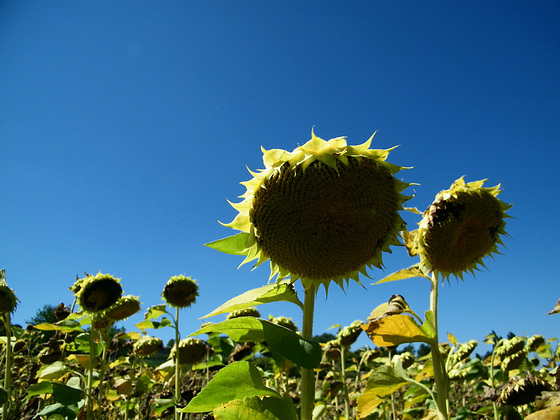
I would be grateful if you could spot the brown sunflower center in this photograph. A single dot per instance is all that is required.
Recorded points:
(321, 223)
(461, 230)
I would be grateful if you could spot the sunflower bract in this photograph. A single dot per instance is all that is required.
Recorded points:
(322, 212)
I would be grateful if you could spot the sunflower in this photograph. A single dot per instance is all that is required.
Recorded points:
(323, 212)
(463, 225)
(97, 293)
(180, 291)
(123, 308)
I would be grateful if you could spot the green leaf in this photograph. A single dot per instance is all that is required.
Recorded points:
(66, 395)
(428, 325)
(66, 325)
(53, 371)
(415, 270)
(3, 396)
(43, 387)
(156, 311)
(255, 408)
(235, 244)
(281, 292)
(144, 325)
(383, 382)
(287, 343)
(234, 382)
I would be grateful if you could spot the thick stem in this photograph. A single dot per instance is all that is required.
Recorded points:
(307, 375)
(440, 375)
(344, 384)
(177, 368)
(89, 415)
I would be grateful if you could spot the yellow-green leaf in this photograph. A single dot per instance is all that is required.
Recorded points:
(394, 330)
(406, 273)
(235, 244)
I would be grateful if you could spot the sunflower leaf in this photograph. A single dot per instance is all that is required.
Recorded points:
(287, 343)
(281, 292)
(255, 408)
(397, 329)
(235, 244)
(382, 383)
(415, 270)
(233, 382)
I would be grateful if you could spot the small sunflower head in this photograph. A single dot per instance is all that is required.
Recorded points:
(519, 391)
(463, 225)
(123, 308)
(191, 351)
(323, 212)
(180, 291)
(8, 299)
(284, 322)
(146, 346)
(253, 312)
(99, 292)
(349, 334)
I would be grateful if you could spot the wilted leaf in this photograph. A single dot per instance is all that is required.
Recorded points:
(394, 330)
(556, 308)
(235, 244)
(255, 408)
(406, 273)
(552, 413)
(281, 292)
(305, 353)
(233, 382)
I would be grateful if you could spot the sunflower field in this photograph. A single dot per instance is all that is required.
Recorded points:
(322, 214)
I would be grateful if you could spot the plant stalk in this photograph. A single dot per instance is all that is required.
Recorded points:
(89, 415)
(307, 375)
(8, 372)
(440, 375)
(177, 368)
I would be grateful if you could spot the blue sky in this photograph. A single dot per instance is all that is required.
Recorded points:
(125, 127)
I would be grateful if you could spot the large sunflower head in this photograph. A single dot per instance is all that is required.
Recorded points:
(463, 225)
(323, 212)
(99, 292)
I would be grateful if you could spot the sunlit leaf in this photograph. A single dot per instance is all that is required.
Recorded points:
(40, 388)
(156, 311)
(556, 308)
(146, 324)
(66, 325)
(394, 330)
(287, 343)
(282, 292)
(383, 382)
(234, 382)
(53, 371)
(255, 408)
(406, 273)
(452, 339)
(235, 244)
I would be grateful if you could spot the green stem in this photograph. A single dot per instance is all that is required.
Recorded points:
(440, 375)
(344, 385)
(90, 370)
(8, 371)
(177, 367)
(307, 376)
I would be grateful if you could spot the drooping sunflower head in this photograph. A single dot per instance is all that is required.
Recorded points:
(99, 292)
(8, 299)
(123, 308)
(463, 225)
(146, 346)
(180, 291)
(323, 212)
(191, 350)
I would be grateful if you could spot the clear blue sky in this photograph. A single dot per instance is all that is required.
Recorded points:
(125, 127)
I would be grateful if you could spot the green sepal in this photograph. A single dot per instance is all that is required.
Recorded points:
(235, 244)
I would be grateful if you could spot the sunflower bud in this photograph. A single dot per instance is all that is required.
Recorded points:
(180, 291)
(251, 312)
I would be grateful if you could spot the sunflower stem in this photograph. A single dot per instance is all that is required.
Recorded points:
(89, 414)
(440, 375)
(8, 372)
(307, 375)
(177, 367)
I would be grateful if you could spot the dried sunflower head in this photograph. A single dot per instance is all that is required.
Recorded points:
(8, 299)
(99, 292)
(180, 291)
(349, 334)
(323, 212)
(123, 308)
(461, 227)
(519, 391)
